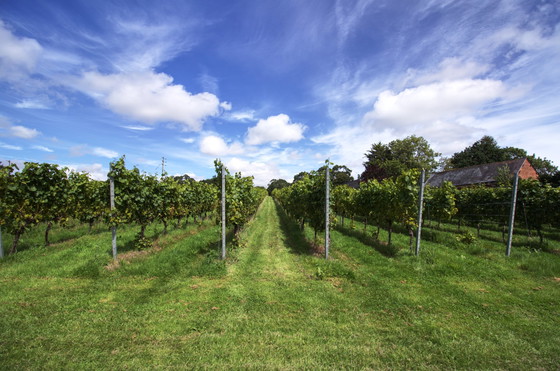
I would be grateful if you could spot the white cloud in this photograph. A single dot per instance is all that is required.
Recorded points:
(149, 162)
(18, 55)
(243, 116)
(348, 144)
(226, 106)
(9, 146)
(275, 129)
(187, 140)
(150, 97)
(428, 103)
(138, 128)
(30, 104)
(262, 172)
(96, 171)
(209, 83)
(42, 148)
(216, 146)
(449, 69)
(194, 176)
(103, 152)
(17, 130)
(142, 44)
(82, 150)
(23, 132)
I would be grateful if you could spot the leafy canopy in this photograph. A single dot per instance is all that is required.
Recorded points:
(486, 150)
(393, 159)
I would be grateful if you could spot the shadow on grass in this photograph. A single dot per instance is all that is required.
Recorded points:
(295, 238)
(381, 247)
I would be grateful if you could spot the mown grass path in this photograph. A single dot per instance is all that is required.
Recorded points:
(274, 313)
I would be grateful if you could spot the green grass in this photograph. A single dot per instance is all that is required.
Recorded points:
(274, 305)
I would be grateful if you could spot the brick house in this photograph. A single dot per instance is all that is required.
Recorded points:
(485, 174)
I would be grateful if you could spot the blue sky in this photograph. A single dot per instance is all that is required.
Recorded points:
(272, 87)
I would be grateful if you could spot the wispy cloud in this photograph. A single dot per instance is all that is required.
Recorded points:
(42, 148)
(242, 116)
(11, 147)
(18, 55)
(23, 132)
(82, 150)
(30, 104)
(187, 140)
(138, 128)
(103, 152)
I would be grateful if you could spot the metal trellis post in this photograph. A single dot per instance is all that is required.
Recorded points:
(113, 228)
(223, 212)
(327, 213)
(420, 207)
(512, 214)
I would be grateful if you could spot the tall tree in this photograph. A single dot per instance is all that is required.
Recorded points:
(276, 184)
(483, 151)
(391, 160)
(548, 173)
(339, 174)
(299, 176)
(487, 150)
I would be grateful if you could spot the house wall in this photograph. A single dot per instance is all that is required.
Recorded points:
(527, 171)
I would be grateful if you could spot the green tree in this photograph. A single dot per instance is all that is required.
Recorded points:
(548, 172)
(393, 159)
(300, 176)
(276, 184)
(483, 151)
(338, 174)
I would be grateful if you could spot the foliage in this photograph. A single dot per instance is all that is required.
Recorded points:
(305, 199)
(487, 150)
(276, 184)
(483, 151)
(37, 193)
(299, 176)
(504, 178)
(137, 197)
(242, 198)
(343, 201)
(548, 172)
(440, 201)
(89, 198)
(467, 237)
(391, 160)
(539, 205)
(338, 174)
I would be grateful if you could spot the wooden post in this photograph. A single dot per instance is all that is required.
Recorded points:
(327, 213)
(223, 212)
(420, 207)
(113, 228)
(512, 214)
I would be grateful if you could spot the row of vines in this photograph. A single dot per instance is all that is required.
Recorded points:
(48, 194)
(394, 201)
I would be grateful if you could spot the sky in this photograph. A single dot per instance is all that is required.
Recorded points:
(272, 88)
